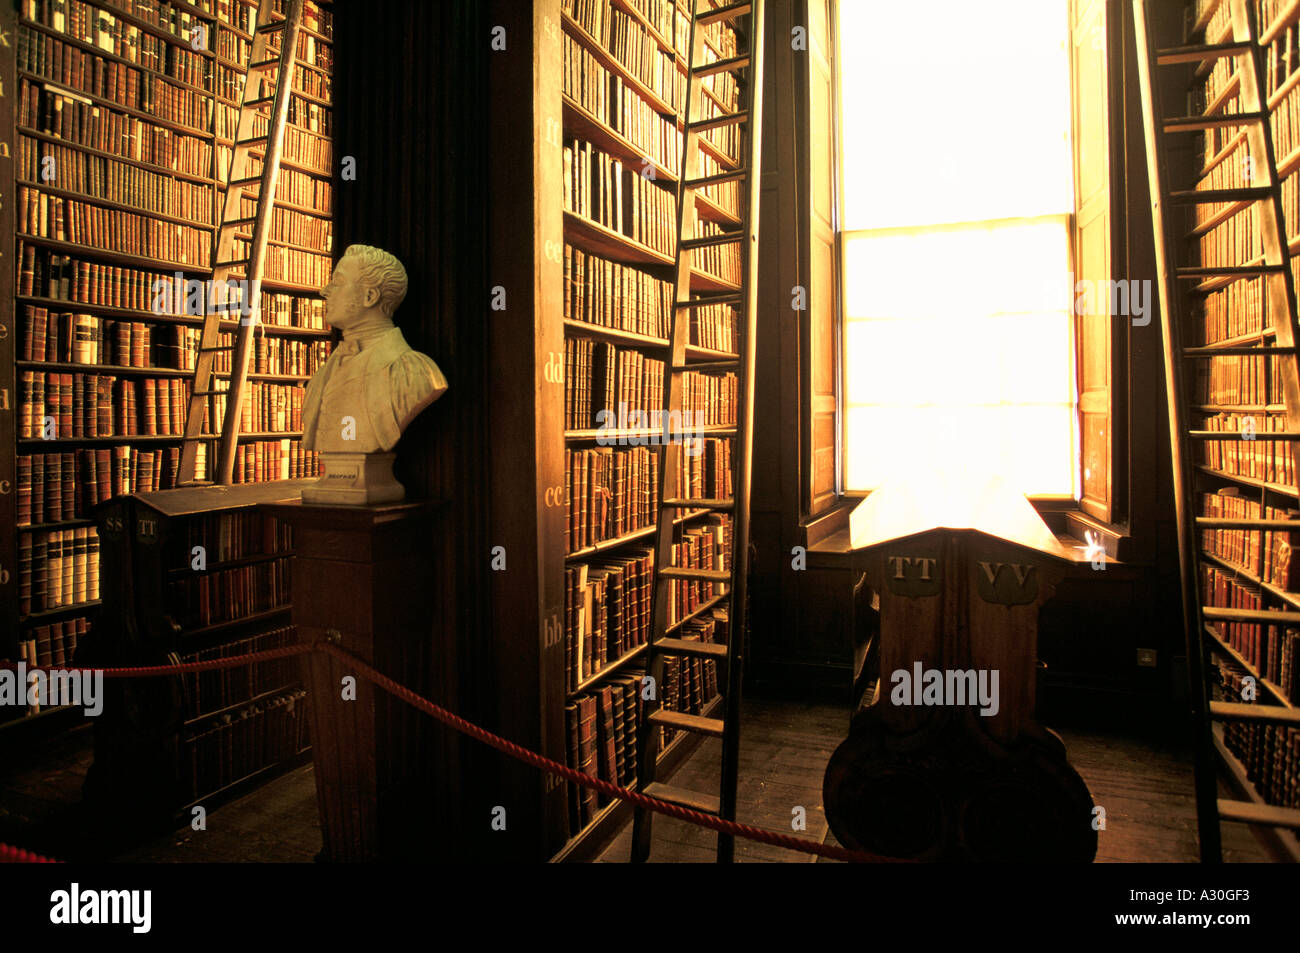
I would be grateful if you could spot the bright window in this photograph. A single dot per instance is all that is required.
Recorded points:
(956, 183)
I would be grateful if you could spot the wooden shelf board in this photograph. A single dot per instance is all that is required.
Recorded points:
(583, 125)
(1236, 776)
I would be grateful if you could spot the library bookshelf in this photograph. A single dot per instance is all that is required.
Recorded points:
(118, 119)
(1237, 391)
(615, 118)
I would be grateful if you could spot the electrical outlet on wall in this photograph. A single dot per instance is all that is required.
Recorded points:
(1147, 658)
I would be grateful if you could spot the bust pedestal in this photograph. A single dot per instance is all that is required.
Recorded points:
(355, 479)
(363, 577)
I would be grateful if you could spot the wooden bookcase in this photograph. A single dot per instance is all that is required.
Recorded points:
(611, 81)
(118, 119)
(1253, 569)
(191, 575)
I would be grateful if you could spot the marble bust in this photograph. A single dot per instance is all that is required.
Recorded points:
(372, 386)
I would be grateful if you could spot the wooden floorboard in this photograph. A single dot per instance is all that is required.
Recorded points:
(1145, 785)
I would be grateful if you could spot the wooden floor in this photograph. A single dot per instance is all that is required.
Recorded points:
(1144, 784)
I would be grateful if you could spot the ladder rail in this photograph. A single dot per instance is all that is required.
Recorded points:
(665, 574)
(1205, 781)
(1280, 284)
(250, 316)
(201, 410)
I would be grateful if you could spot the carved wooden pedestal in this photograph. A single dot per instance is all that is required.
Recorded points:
(928, 772)
(363, 576)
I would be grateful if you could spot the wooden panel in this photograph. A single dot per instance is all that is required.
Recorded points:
(1093, 248)
(9, 331)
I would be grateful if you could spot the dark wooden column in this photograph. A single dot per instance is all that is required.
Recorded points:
(363, 579)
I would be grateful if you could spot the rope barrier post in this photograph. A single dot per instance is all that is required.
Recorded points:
(363, 582)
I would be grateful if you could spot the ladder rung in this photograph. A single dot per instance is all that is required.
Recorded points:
(260, 101)
(1201, 123)
(1215, 522)
(726, 365)
(717, 122)
(263, 64)
(1201, 52)
(245, 183)
(219, 347)
(694, 723)
(729, 12)
(250, 141)
(731, 297)
(1223, 614)
(735, 175)
(238, 222)
(716, 575)
(1240, 711)
(1243, 350)
(694, 649)
(718, 505)
(708, 241)
(208, 393)
(275, 26)
(1228, 271)
(1207, 196)
(693, 800)
(1243, 435)
(722, 66)
(1248, 812)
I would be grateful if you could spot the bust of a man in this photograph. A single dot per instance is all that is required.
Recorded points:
(372, 386)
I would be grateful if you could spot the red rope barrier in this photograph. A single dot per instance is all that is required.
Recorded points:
(515, 751)
(16, 855)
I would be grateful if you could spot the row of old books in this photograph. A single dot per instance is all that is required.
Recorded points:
(608, 493)
(1282, 55)
(227, 748)
(628, 42)
(604, 383)
(75, 119)
(54, 487)
(601, 735)
(80, 338)
(307, 191)
(259, 460)
(1239, 309)
(599, 188)
(1265, 553)
(61, 406)
(705, 546)
(224, 595)
(1270, 754)
(725, 195)
(704, 471)
(236, 534)
(100, 28)
(715, 326)
(606, 97)
(606, 612)
(42, 215)
(1236, 240)
(49, 274)
(289, 225)
(216, 689)
(1238, 379)
(57, 568)
(611, 294)
(55, 643)
(1258, 458)
(721, 260)
(690, 684)
(266, 408)
(80, 71)
(99, 177)
(290, 265)
(1271, 650)
(313, 150)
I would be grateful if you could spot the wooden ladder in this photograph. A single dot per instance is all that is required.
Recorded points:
(236, 283)
(749, 69)
(1179, 280)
